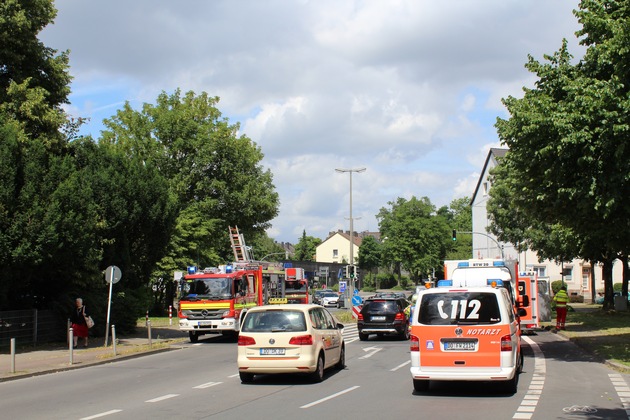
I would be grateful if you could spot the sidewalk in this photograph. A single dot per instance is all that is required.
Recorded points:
(57, 358)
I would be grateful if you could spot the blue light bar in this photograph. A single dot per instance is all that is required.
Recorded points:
(499, 282)
(498, 263)
(229, 268)
(463, 264)
(445, 283)
(192, 269)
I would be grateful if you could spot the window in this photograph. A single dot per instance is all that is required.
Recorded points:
(485, 188)
(567, 272)
(586, 276)
(335, 253)
(540, 270)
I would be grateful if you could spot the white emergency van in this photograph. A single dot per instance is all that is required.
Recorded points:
(461, 333)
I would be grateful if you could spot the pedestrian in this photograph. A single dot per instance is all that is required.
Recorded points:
(562, 299)
(79, 323)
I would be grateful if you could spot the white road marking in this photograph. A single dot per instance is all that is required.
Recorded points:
(623, 390)
(330, 397)
(162, 398)
(207, 385)
(374, 351)
(400, 366)
(106, 413)
(530, 401)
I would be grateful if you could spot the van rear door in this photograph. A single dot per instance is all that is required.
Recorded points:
(460, 329)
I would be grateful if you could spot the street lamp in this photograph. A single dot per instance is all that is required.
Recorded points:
(358, 170)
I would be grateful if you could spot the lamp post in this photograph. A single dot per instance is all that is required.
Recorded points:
(358, 170)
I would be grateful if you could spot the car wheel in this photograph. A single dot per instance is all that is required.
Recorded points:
(511, 386)
(318, 375)
(363, 337)
(341, 364)
(420, 385)
(246, 378)
(194, 336)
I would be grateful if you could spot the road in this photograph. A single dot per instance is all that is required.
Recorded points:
(200, 381)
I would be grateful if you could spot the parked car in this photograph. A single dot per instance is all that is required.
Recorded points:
(294, 338)
(317, 296)
(330, 299)
(383, 316)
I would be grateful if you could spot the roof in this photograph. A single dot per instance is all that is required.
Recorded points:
(498, 153)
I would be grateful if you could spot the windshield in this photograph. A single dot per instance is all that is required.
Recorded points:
(209, 288)
(295, 286)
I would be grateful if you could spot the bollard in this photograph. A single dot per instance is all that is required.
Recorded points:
(149, 331)
(71, 344)
(114, 338)
(146, 321)
(13, 355)
(170, 315)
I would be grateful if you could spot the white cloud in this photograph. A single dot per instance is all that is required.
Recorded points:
(410, 90)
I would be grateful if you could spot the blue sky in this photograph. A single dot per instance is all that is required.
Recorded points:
(408, 89)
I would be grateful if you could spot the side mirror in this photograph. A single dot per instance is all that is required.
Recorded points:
(521, 312)
(525, 301)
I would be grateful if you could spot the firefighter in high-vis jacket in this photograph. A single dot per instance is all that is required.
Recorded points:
(562, 299)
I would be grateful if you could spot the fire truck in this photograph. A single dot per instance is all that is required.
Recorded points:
(283, 285)
(213, 300)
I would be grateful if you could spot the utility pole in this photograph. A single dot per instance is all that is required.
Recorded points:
(350, 171)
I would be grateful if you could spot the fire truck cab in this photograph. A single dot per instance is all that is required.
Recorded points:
(465, 333)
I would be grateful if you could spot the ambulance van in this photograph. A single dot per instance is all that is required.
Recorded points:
(465, 334)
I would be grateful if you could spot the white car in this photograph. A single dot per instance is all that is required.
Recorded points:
(293, 338)
(329, 299)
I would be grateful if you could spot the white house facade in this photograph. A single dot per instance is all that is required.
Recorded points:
(577, 273)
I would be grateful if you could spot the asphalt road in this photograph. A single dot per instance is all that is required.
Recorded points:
(200, 381)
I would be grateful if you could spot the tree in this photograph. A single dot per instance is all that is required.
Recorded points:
(566, 169)
(306, 248)
(458, 216)
(34, 81)
(370, 255)
(417, 238)
(215, 176)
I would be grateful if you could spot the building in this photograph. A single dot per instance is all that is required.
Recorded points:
(577, 273)
(336, 247)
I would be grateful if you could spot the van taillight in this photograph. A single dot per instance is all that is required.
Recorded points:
(506, 343)
(414, 343)
(400, 316)
(243, 340)
(302, 340)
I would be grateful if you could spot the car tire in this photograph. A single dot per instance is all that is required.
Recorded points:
(193, 336)
(420, 385)
(363, 337)
(341, 364)
(318, 375)
(511, 386)
(246, 378)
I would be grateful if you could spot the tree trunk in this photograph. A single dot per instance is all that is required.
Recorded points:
(607, 276)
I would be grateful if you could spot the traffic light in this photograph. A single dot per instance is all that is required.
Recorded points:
(353, 271)
(346, 272)
(454, 235)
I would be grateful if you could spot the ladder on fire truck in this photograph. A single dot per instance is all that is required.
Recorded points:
(241, 251)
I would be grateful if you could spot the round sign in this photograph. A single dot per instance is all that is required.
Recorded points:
(357, 300)
(113, 274)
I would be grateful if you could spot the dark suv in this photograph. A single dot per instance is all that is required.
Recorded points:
(383, 316)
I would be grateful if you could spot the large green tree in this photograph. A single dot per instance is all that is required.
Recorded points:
(566, 172)
(370, 254)
(306, 248)
(417, 238)
(214, 174)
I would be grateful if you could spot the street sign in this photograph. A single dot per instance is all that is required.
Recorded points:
(357, 300)
(342, 286)
(113, 274)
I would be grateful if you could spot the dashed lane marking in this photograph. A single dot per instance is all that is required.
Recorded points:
(623, 391)
(530, 400)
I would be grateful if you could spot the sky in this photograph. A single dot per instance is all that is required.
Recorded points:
(410, 90)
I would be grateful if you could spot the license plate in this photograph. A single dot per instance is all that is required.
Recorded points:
(272, 352)
(277, 301)
(204, 323)
(459, 345)
(378, 318)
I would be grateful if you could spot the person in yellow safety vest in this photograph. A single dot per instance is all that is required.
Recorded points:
(562, 299)
(409, 309)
